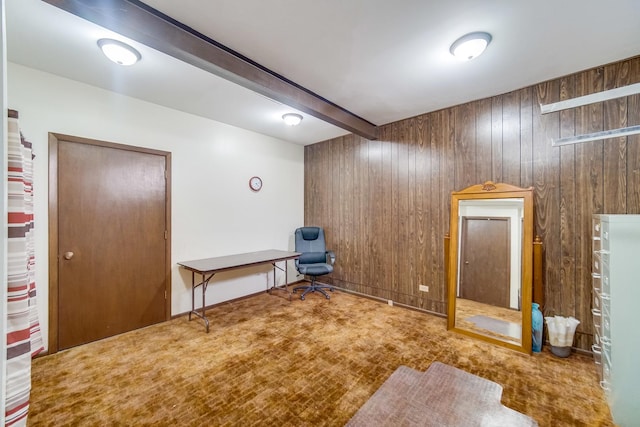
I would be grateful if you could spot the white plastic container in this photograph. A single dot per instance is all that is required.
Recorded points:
(561, 331)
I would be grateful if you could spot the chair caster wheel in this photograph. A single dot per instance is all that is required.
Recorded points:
(302, 298)
(328, 297)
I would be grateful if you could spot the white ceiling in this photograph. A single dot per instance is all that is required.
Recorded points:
(382, 60)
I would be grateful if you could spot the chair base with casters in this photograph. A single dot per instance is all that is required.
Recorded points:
(313, 287)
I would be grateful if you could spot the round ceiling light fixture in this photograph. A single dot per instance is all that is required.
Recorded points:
(292, 119)
(119, 52)
(470, 45)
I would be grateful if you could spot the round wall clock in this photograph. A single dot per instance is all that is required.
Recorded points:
(255, 183)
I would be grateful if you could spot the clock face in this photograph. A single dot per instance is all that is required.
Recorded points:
(255, 183)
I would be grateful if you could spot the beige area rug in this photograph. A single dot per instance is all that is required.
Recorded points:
(271, 362)
(443, 396)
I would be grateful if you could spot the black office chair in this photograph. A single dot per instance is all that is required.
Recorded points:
(313, 259)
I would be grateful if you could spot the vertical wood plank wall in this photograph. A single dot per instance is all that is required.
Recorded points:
(385, 204)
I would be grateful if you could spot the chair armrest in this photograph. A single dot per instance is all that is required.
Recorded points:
(332, 257)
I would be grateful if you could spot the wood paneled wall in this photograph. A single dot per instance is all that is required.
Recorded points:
(385, 204)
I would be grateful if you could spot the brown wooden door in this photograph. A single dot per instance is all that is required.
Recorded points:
(485, 263)
(112, 240)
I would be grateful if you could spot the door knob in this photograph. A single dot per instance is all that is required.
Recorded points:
(68, 255)
(466, 262)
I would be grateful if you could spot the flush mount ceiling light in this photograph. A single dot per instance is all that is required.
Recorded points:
(118, 52)
(292, 119)
(470, 46)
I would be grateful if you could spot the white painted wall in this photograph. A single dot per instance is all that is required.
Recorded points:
(213, 210)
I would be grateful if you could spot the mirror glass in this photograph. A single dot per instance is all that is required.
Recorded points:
(490, 264)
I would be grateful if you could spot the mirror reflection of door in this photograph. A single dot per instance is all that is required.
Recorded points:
(485, 260)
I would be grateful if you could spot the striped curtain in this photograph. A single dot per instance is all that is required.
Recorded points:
(24, 339)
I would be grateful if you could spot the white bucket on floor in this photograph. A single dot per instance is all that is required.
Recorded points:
(561, 331)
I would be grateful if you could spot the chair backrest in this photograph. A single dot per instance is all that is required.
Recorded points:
(310, 243)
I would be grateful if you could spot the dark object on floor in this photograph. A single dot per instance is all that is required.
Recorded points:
(442, 396)
(560, 351)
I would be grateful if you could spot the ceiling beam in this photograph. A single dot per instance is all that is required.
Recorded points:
(139, 22)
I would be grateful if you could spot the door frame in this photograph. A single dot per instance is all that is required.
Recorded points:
(53, 224)
(464, 223)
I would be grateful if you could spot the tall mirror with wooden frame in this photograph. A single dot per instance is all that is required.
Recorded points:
(490, 264)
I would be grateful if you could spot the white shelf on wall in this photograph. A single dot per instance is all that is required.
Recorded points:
(593, 98)
(595, 136)
(605, 95)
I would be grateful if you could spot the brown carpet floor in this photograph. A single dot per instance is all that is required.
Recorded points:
(268, 361)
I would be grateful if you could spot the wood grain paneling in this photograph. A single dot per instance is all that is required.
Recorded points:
(465, 145)
(564, 292)
(496, 139)
(589, 190)
(422, 190)
(526, 137)
(546, 174)
(483, 141)
(511, 161)
(615, 149)
(385, 203)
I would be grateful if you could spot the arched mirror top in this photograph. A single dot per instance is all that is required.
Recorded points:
(490, 264)
(490, 190)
